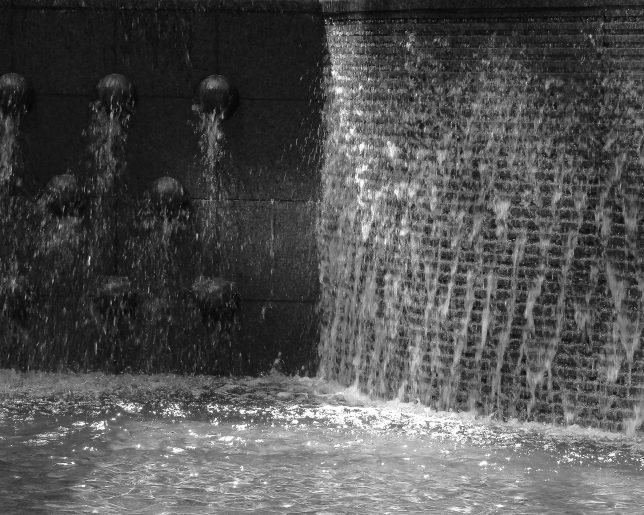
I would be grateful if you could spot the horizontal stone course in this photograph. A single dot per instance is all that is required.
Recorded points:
(380, 6)
(67, 56)
(6, 43)
(55, 123)
(166, 53)
(279, 6)
(266, 66)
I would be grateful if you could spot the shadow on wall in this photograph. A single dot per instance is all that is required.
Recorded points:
(270, 150)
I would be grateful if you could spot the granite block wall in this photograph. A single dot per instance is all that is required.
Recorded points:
(274, 53)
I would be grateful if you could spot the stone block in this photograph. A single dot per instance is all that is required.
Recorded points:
(63, 51)
(274, 149)
(6, 43)
(296, 260)
(53, 132)
(280, 335)
(64, 4)
(234, 241)
(161, 142)
(165, 52)
(268, 250)
(246, 250)
(153, 254)
(271, 55)
(274, 6)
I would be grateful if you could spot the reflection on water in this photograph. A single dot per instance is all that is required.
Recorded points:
(153, 444)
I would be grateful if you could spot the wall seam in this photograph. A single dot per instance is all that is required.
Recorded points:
(12, 43)
(217, 43)
(115, 23)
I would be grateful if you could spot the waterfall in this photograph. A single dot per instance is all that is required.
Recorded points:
(479, 225)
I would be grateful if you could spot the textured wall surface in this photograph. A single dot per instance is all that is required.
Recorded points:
(481, 231)
(273, 52)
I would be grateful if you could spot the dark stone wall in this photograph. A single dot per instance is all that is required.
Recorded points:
(273, 52)
(481, 228)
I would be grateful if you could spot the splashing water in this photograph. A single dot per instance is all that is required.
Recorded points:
(216, 215)
(510, 281)
(276, 444)
(9, 129)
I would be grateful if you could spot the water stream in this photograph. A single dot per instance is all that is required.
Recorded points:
(94, 277)
(480, 227)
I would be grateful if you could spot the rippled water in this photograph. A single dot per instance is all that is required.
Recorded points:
(164, 444)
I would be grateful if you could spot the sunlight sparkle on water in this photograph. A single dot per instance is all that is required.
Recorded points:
(194, 444)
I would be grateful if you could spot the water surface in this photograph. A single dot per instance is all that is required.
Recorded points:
(169, 444)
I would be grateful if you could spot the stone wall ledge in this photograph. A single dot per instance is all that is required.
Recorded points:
(393, 6)
(269, 6)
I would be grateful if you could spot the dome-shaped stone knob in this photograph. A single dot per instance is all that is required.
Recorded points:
(114, 297)
(216, 94)
(63, 196)
(116, 94)
(16, 95)
(167, 198)
(15, 298)
(216, 298)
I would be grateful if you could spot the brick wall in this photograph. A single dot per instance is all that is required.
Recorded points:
(273, 52)
(481, 216)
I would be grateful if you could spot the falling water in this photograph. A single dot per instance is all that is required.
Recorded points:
(16, 227)
(95, 278)
(214, 180)
(217, 219)
(480, 243)
(9, 126)
(9, 151)
(76, 248)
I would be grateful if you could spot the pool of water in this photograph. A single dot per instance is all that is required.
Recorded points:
(166, 444)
